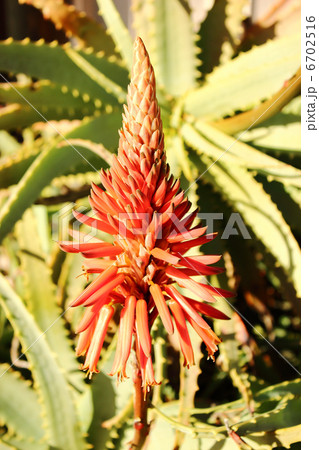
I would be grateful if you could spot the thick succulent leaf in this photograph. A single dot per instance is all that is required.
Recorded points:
(88, 32)
(177, 156)
(246, 80)
(294, 193)
(279, 134)
(236, 13)
(51, 163)
(117, 30)
(13, 167)
(198, 11)
(266, 110)
(221, 32)
(13, 442)
(20, 410)
(106, 83)
(41, 297)
(53, 388)
(44, 61)
(266, 440)
(8, 144)
(17, 116)
(166, 28)
(285, 414)
(246, 196)
(213, 34)
(216, 144)
(44, 95)
(285, 201)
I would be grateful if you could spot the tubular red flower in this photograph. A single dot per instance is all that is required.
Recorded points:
(125, 335)
(96, 342)
(142, 326)
(162, 307)
(183, 335)
(148, 215)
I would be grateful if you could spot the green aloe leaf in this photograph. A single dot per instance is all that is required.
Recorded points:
(8, 144)
(216, 144)
(17, 116)
(281, 133)
(117, 30)
(44, 61)
(246, 80)
(177, 157)
(247, 197)
(20, 409)
(40, 295)
(13, 167)
(51, 163)
(285, 414)
(43, 94)
(166, 28)
(53, 388)
(220, 33)
(247, 120)
(282, 436)
(13, 442)
(106, 83)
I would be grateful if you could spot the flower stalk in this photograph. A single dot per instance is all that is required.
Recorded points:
(141, 400)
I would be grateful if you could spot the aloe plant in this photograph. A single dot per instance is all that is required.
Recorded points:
(230, 106)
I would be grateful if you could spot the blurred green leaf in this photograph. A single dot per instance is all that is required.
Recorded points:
(55, 394)
(165, 27)
(246, 80)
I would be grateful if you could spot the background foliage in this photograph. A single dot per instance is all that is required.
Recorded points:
(229, 94)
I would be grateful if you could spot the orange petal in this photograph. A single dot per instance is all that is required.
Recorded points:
(204, 259)
(184, 246)
(173, 292)
(88, 316)
(201, 269)
(116, 366)
(208, 310)
(142, 329)
(164, 256)
(186, 235)
(183, 335)
(185, 281)
(162, 308)
(85, 339)
(76, 247)
(98, 337)
(95, 223)
(108, 274)
(209, 337)
(105, 290)
(128, 324)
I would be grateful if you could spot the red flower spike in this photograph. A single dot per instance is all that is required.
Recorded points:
(144, 209)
